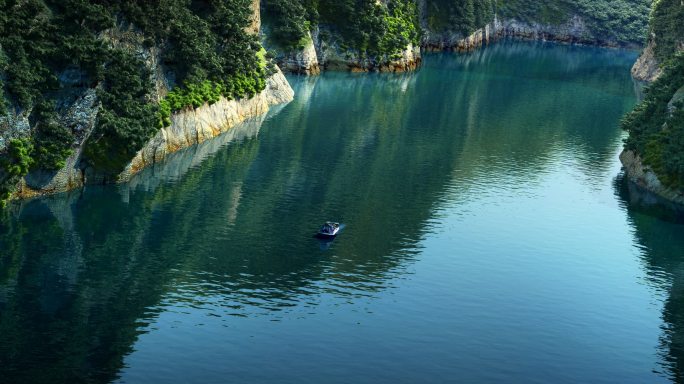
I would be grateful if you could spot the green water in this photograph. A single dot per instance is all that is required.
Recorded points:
(487, 239)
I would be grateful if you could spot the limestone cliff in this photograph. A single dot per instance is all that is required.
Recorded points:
(647, 67)
(655, 133)
(666, 38)
(78, 106)
(319, 53)
(301, 61)
(644, 177)
(331, 55)
(188, 128)
(573, 31)
(208, 121)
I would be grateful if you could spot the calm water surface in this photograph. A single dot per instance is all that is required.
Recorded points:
(487, 240)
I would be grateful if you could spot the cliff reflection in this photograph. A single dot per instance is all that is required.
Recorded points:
(659, 230)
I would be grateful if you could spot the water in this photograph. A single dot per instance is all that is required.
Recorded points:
(487, 240)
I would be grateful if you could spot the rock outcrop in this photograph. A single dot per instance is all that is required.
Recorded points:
(301, 61)
(206, 122)
(188, 128)
(328, 54)
(647, 67)
(80, 118)
(643, 176)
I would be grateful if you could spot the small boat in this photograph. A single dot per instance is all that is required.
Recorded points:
(329, 230)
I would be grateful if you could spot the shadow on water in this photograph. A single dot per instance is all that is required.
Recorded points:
(659, 231)
(83, 274)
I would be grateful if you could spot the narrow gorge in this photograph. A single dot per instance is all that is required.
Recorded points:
(341, 191)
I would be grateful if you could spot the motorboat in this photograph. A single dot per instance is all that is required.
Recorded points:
(329, 230)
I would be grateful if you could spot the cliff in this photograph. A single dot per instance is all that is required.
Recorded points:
(645, 177)
(321, 54)
(652, 158)
(310, 36)
(188, 128)
(307, 37)
(647, 67)
(88, 117)
(572, 31)
(666, 38)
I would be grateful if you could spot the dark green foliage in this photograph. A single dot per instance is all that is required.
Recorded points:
(52, 141)
(370, 28)
(464, 16)
(289, 23)
(667, 24)
(365, 26)
(14, 165)
(621, 21)
(127, 118)
(655, 132)
(3, 68)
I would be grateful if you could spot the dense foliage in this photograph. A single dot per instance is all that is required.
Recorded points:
(52, 140)
(371, 28)
(13, 166)
(290, 21)
(203, 42)
(463, 16)
(656, 126)
(667, 25)
(622, 21)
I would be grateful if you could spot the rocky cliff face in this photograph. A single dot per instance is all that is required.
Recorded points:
(188, 128)
(301, 61)
(647, 67)
(644, 177)
(574, 31)
(327, 54)
(78, 110)
(206, 122)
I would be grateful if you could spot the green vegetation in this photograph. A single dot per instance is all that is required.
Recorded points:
(290, 21)
(195, 95)
(127, 119)
(463, 16)
(52, 140)
(204, 43)
(656, 127)
(622, 21)
(667, 24)
(14, 166)
(365, 26)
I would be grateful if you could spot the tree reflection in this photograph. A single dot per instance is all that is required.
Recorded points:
(659, 230)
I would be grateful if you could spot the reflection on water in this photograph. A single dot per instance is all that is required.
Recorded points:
(659, 232)
(462, 187)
